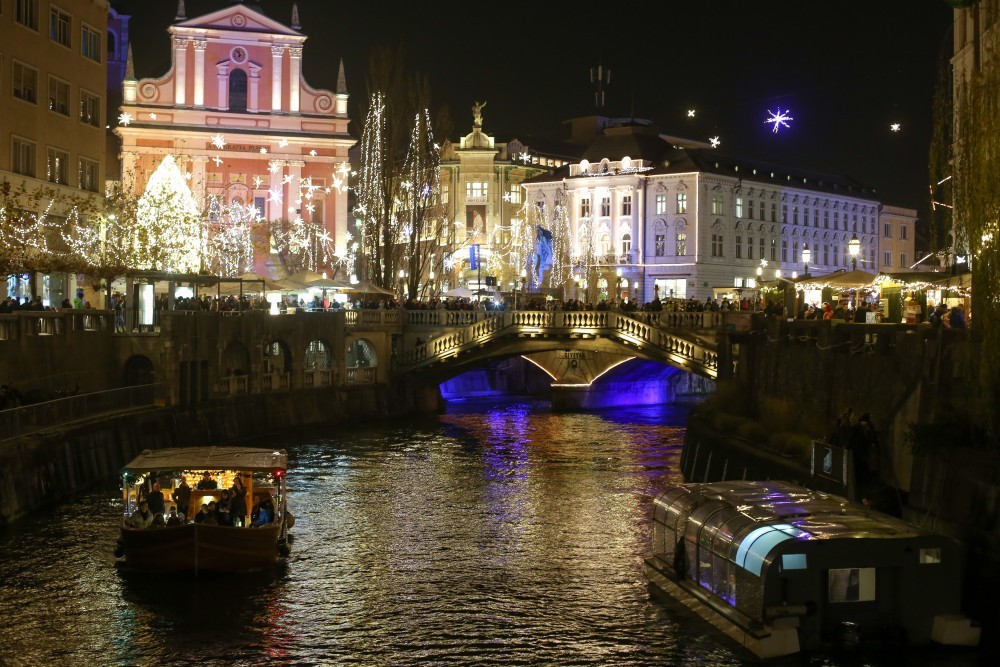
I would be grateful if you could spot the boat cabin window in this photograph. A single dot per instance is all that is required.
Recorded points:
(793, 562)
(855, 584)
(930, 556)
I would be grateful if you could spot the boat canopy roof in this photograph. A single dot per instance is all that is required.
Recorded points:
(209, 458)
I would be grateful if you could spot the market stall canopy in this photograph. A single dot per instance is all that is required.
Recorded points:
(368, 288)
(248, 283)
(459, 293)
(306, 279)
(839, 280)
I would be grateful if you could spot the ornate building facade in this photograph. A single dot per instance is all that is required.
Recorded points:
(642, 216)
(254, 140)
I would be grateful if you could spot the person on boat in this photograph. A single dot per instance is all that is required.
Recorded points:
(174, 519)
(206, 482)
(182, 496)
(202, 513)
(238, 502)
(155, 498)
(158, 521)
(255, 510)
(142, 517)
(210, 516)
(264, 517)
(222, 510)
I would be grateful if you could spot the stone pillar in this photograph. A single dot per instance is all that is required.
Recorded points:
(199, 72)
(129, 161)
(294, 77)
(253, 104)
(180, 70)
(222, 71)
(276, 53)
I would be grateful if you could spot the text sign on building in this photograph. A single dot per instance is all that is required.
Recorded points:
(571, 354)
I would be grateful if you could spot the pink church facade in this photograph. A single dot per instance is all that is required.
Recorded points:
(245, 127)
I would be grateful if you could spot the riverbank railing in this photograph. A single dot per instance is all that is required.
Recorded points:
(28, 419)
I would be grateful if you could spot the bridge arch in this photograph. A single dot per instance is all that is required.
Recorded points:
(138, 370)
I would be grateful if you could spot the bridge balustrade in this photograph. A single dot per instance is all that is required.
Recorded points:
(275, 381)
(319, 377)
(234, 385)
(360, 375)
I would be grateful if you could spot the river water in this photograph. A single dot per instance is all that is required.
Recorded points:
(492, 534)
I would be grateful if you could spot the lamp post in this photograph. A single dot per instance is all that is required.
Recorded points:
(618, 284)
(402, 284)
(806, 257)
(760, 277)
(854, 247)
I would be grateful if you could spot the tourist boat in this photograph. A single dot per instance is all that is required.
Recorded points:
(782, 569)
(204, 547)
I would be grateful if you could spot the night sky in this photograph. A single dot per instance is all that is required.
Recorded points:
(844, 70)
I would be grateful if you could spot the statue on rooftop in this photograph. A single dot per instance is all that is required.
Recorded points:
(477, 114)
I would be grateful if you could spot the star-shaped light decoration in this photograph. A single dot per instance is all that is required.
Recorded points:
(275, 167)
(313, 152)
(525, 158)
(691, 113)
(263, 151)
(124, 118)
(715, 141)
(257, 182)
(152, 116)
(217, 160)
(219, 141)
(275, 196)
(286, 179)
(778, 119)
(895, 127)
(283, 143)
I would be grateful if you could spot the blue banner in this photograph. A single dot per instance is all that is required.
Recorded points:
(474, 256)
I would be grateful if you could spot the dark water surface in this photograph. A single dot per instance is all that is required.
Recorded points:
(494, 534)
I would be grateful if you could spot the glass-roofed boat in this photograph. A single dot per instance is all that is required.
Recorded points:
(781, 568)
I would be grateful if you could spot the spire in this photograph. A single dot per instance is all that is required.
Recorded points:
(181, 12)
(295, 17)
(600, 76)
(341, 79)
(129, 67)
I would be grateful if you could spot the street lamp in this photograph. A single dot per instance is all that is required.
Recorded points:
(854, 247)
(806, 257)
(524, 288)
(618, 283)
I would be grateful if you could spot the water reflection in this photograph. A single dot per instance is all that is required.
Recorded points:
(497, 532)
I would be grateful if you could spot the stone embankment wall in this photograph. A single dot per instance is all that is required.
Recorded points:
(38, 470)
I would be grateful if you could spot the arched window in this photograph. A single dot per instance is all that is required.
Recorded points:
(626, 244)
(237, 90)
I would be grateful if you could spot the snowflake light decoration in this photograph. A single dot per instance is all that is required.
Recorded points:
(219, 141)
(691, 113)
(124, 118)
(217, 160)
(283, 143)
(895, 127)
(715, 141)
(263, 151)
(313, 152)
(152, 116)
(778, 119)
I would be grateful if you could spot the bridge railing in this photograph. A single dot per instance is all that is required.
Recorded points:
(588, 322)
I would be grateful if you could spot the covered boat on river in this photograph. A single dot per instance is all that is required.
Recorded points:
(253, 543)
(782, 568)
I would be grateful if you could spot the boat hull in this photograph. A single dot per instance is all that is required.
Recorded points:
(195, 547)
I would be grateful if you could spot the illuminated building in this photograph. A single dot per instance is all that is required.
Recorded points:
(248, 132)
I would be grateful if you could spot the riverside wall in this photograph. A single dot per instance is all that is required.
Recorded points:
(41, 469)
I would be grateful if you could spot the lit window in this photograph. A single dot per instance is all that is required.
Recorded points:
(717, 205)
(57, 166)
(476, 190)
(515, 194)
(58, 96)
(682, 202)
(584, 208)
(90, 109)
(90, 44)
(661, 204)
(661, 244)
(89, 171)
(681, 244)
(739, 207)
(626, 244)
(852, 585)
(605, 206)
(59, 22)
(627, 205)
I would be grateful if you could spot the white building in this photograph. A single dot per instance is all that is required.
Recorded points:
(659, 218)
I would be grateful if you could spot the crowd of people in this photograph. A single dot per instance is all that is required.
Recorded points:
(229, 510)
